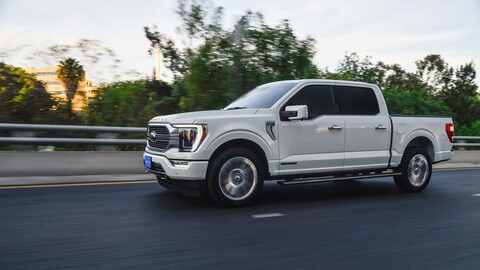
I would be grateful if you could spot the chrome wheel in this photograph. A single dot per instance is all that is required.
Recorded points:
(238, 178)
(418, 170)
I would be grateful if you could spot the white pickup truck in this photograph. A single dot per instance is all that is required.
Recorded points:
(294, 132)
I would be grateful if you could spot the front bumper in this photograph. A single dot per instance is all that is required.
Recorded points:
(161, 165)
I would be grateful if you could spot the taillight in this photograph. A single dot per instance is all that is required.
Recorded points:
(449, 128)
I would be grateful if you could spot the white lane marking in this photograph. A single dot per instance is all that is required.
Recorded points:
(269, 215)
(477, 195)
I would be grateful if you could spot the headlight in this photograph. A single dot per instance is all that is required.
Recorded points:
(190, 136)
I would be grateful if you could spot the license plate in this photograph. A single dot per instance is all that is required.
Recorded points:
(148, 161)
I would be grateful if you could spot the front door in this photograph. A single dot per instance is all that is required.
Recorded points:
(315, 144)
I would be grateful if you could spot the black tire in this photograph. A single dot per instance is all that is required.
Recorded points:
(235, 177)
(416, 169)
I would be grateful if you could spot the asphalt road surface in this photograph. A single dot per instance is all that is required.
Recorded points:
(364, 224)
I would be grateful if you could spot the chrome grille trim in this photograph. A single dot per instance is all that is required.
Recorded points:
(162, 138)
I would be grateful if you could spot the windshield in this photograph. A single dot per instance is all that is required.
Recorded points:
(263, 96)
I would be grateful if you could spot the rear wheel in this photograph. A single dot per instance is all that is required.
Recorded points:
(235, 178)
(416, 169)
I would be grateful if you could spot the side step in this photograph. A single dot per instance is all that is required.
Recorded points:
(332, 178)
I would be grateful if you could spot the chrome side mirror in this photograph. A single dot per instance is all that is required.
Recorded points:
(297, 112)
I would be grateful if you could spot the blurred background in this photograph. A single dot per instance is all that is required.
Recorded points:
(88, 76)
(120, 63)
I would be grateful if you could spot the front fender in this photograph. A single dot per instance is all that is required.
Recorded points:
(240, 135)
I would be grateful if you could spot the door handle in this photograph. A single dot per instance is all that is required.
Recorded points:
(334, 127)
(381, 127)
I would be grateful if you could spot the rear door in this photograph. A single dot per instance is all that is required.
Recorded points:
(315, 144)
(367, 133)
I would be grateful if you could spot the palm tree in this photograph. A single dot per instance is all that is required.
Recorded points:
(70, 73)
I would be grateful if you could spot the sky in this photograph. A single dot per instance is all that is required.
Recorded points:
(392, 31)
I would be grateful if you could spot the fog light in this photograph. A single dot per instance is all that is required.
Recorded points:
(179, 162)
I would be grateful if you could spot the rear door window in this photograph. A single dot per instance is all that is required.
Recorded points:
(356, 100)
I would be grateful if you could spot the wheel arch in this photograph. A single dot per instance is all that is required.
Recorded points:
(422, 138)
(421, 142)
(242, 143)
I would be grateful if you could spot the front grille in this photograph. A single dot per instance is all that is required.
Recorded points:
(162, 137)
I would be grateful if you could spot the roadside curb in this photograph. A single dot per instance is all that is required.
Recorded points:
(73, 179)
(456, 166)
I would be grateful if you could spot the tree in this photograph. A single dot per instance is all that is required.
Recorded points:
(174, 58)
(206, 83)
(218, 65)
(215, 65)
(414, 103)
(22, 97)
(230, 63)
(351, 67)
(130, 103)
(473, 130)
(434, 72)
(192, 13)
(404, 92)
(397, 79)
(70, 73)
(462, 96)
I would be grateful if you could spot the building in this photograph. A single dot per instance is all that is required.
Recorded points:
(54, 86)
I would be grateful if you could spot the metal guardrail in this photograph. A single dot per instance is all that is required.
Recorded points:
(37, 127)
(70, 128)
(460, 140)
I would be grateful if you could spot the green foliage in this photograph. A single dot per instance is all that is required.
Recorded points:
(192, 14)
(461, 95)
(413, 103)
(351, 67)
(264, 53)
(227, 63)
(434, 89)
(388, 77)
(455, 87)
(397, 79)
(207, 80)
(473, 130)
(435, 72)
(130, 103)
(22, 97)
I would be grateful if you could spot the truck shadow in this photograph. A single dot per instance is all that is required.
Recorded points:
(276, 195)
(328, 191)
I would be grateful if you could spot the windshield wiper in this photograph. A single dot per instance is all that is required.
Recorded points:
(235, 108)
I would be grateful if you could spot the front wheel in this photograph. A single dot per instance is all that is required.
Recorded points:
(416, 169)
(235, 178)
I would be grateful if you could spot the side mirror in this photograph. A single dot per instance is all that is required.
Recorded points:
(297, 112)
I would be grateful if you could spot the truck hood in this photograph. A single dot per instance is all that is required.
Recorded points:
(202, 116)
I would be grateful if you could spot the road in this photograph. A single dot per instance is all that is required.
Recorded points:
(364, 224)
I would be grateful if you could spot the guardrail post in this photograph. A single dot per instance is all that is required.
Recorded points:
(106, 136)
(23, 147)
(461, 147)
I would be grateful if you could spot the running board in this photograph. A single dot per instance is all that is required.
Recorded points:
(332, 178)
